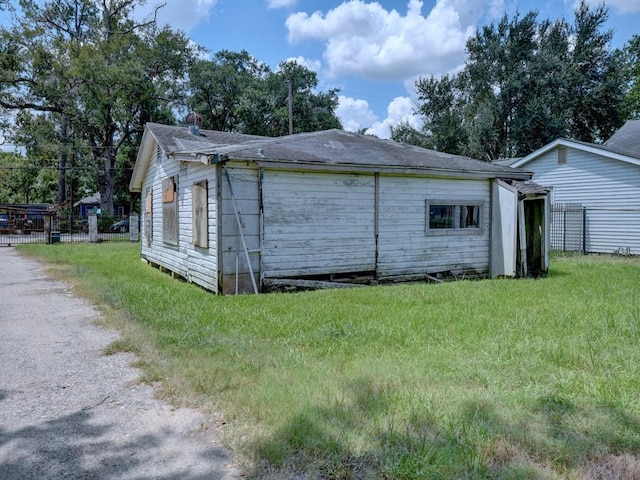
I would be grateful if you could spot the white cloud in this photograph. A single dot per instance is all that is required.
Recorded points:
(620, 6)
(280, 3)
(180, 14)
(400, 109)
(354, 114)
(365, 39)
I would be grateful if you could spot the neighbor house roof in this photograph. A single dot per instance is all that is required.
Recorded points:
(626, 140)
(336, 149)
(93, 200)
(603, 150)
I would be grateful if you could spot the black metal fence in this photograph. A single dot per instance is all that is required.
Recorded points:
(19, 225)
(568, 227)
(608, 230)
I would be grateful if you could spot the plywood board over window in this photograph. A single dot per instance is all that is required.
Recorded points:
(199, 192)
(169, 211)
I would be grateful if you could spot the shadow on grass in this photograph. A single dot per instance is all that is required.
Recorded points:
(556, 437)
(76, 447)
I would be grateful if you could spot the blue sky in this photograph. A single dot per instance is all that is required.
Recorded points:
(372, 51)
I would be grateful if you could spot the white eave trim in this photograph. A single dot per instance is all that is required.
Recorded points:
(595, 149)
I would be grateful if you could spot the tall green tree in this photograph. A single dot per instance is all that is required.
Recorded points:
(632, 72)
(218, 87)
(236, 92)
(525, 83)
(441, 105)
(98, 72)
(596, 88)
(18, 179)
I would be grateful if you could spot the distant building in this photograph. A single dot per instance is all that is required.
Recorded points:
(92, 203)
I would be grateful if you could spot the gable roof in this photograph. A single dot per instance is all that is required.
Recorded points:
(626, 140)
(603, 150)
(336, 149)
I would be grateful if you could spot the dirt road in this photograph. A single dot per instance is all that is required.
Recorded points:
(69, 412)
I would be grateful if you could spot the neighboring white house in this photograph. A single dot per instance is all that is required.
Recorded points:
(238, 213)
(600, 182)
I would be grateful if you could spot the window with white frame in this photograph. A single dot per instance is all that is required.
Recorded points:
(443, 216)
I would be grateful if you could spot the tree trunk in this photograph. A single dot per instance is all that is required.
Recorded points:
(107, 181)
(62, 161)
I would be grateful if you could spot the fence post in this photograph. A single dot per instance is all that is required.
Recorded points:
(134, 227)
(93, 227)
(584, 230)
(48, 227)
(564, 229)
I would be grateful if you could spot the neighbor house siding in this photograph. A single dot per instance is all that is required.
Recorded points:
(407, 249)
(608, 188)
(318, 223)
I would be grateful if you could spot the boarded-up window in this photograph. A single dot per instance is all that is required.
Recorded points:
(200, 195)
(148, 216)
(169, 211)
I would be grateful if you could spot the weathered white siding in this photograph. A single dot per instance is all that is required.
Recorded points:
(241, 178)
(317, 223)
(504, 224)
(198, 265)
(325, 223)
(202, 263)
(406, 249)
(609, 188)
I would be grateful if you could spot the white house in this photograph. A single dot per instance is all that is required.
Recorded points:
(239, 213)
(601, 182)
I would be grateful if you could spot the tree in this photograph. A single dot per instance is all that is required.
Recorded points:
(631, 61)
(596, 88)
(219, 86)
(525, 83)
(236, 92)
(404, 132)
(95, 71)
(17, 178)
(441, 109)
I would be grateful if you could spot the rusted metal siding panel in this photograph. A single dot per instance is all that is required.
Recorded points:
(318, 223)
(405, 249)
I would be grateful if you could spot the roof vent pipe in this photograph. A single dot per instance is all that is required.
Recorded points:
(194, 122)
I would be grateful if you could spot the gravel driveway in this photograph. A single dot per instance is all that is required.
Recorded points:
(69, 412)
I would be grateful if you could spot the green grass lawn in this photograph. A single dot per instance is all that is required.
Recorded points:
(495, 379)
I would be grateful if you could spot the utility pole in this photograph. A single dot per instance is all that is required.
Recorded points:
(290, 101)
